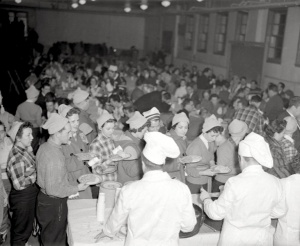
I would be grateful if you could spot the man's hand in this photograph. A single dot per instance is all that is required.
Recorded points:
(204, 195)
(101, 236)
(82, 187)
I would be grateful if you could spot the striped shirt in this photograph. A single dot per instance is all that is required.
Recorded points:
(21, 168)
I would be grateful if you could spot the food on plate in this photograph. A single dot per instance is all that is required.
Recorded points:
(89, 179)
(120, 156)
(220, 169)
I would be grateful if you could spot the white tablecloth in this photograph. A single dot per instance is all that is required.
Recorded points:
(83, 227)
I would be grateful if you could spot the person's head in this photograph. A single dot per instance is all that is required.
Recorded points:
(180, 124)
(140, 131)
(207, 72)
(73, 117)
(32, 93)
(253, 84)
(92, 81)
(182, 83)
(2, 131)
(129, 110)
(206, 95)
(106, 124)
(166, 97)
(153, 117)
(188, 105)
(255, 101)
(45, 88)
(272, 90)
(294, 106)
(52, 82)
(214, 98)
(237, 130)
(50, 102)
(24, 135)
(112, 71)
(158, 147)
(281, 86)
(276, 129)
(291, 125)
(139, 83)
(189, 89)
(211, 128)
(243, 81)
(246, 91)
(81, 99)
(254, 150)
(115, 100)
(213, 133)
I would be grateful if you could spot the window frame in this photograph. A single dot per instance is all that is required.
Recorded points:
(189, 30)
(297, 61)
(240, 25)
(274, 38)
(219, 26)
(203, 30)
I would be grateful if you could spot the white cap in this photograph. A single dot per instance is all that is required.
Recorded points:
(181, 117)
(237, 128)
(105, 116)
(136, 121)
(79, 96)
(210, 123)
(64, 109)
(55, 123)
(32, 92)
(152, 114)
(14, 129)
(255, 146)
(159, 147)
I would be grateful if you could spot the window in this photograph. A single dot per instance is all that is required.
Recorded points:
(276, 27)
(298, 53)
(242, 20)
(189, 32)
(220, 35)
(21, 17)
(203, 33)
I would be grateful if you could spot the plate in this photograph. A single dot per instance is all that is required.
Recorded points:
(203, 167)
(119, 157)
(191, 159)
(109, 169)
(85, 156)
(220, 169)
(90, 179)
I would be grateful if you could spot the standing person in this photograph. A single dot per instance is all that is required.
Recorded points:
(153, 198)
(180, 125)
(28, 111)
(227, 153)
(250, 199)
(21, 169)
(102, 146)
(132, 143)
(205, 146)
(288, 227)
(45, 88)
(294, 111)
(274, 106)
(52, 178)
(81, 100)
(78, 143)
(203, 81)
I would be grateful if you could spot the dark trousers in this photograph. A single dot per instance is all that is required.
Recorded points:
(22, 205)
(215, 185)
(35, 144)
(52, 216)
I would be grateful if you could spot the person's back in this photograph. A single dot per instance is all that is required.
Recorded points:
(160, 226)
(253, 196)
(288, 227)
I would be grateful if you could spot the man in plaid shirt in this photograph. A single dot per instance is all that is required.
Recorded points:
(252, 116)
(287, 142)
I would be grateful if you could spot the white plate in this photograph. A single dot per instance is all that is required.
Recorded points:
(109, 169)
(220, 169)
(120, 158)
(84, 156)
(90, 179)
(190, 159)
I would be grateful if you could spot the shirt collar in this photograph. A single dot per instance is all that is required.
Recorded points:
(29, 100)
(287, 137)
(156, 175)
(204, 140)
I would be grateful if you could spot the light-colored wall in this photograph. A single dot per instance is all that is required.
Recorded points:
(287, 71)
(119, 31)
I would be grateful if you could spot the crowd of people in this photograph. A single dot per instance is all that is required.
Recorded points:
(85, 104)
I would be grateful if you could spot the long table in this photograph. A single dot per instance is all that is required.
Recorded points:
(83, 227)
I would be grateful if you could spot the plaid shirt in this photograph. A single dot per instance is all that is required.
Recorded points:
(288, 148)
(102, 148)
(21, 168)
(252, 117)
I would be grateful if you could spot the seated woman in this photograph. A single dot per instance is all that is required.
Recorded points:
(180, 125)
(205, 146)
(274, 133)
(103, 145)
(227, 153)
(78, 143)
(132, 143)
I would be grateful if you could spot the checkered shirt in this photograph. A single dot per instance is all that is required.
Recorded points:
(289, 149)
(102, 148)
(21, 168)
(252, 117)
